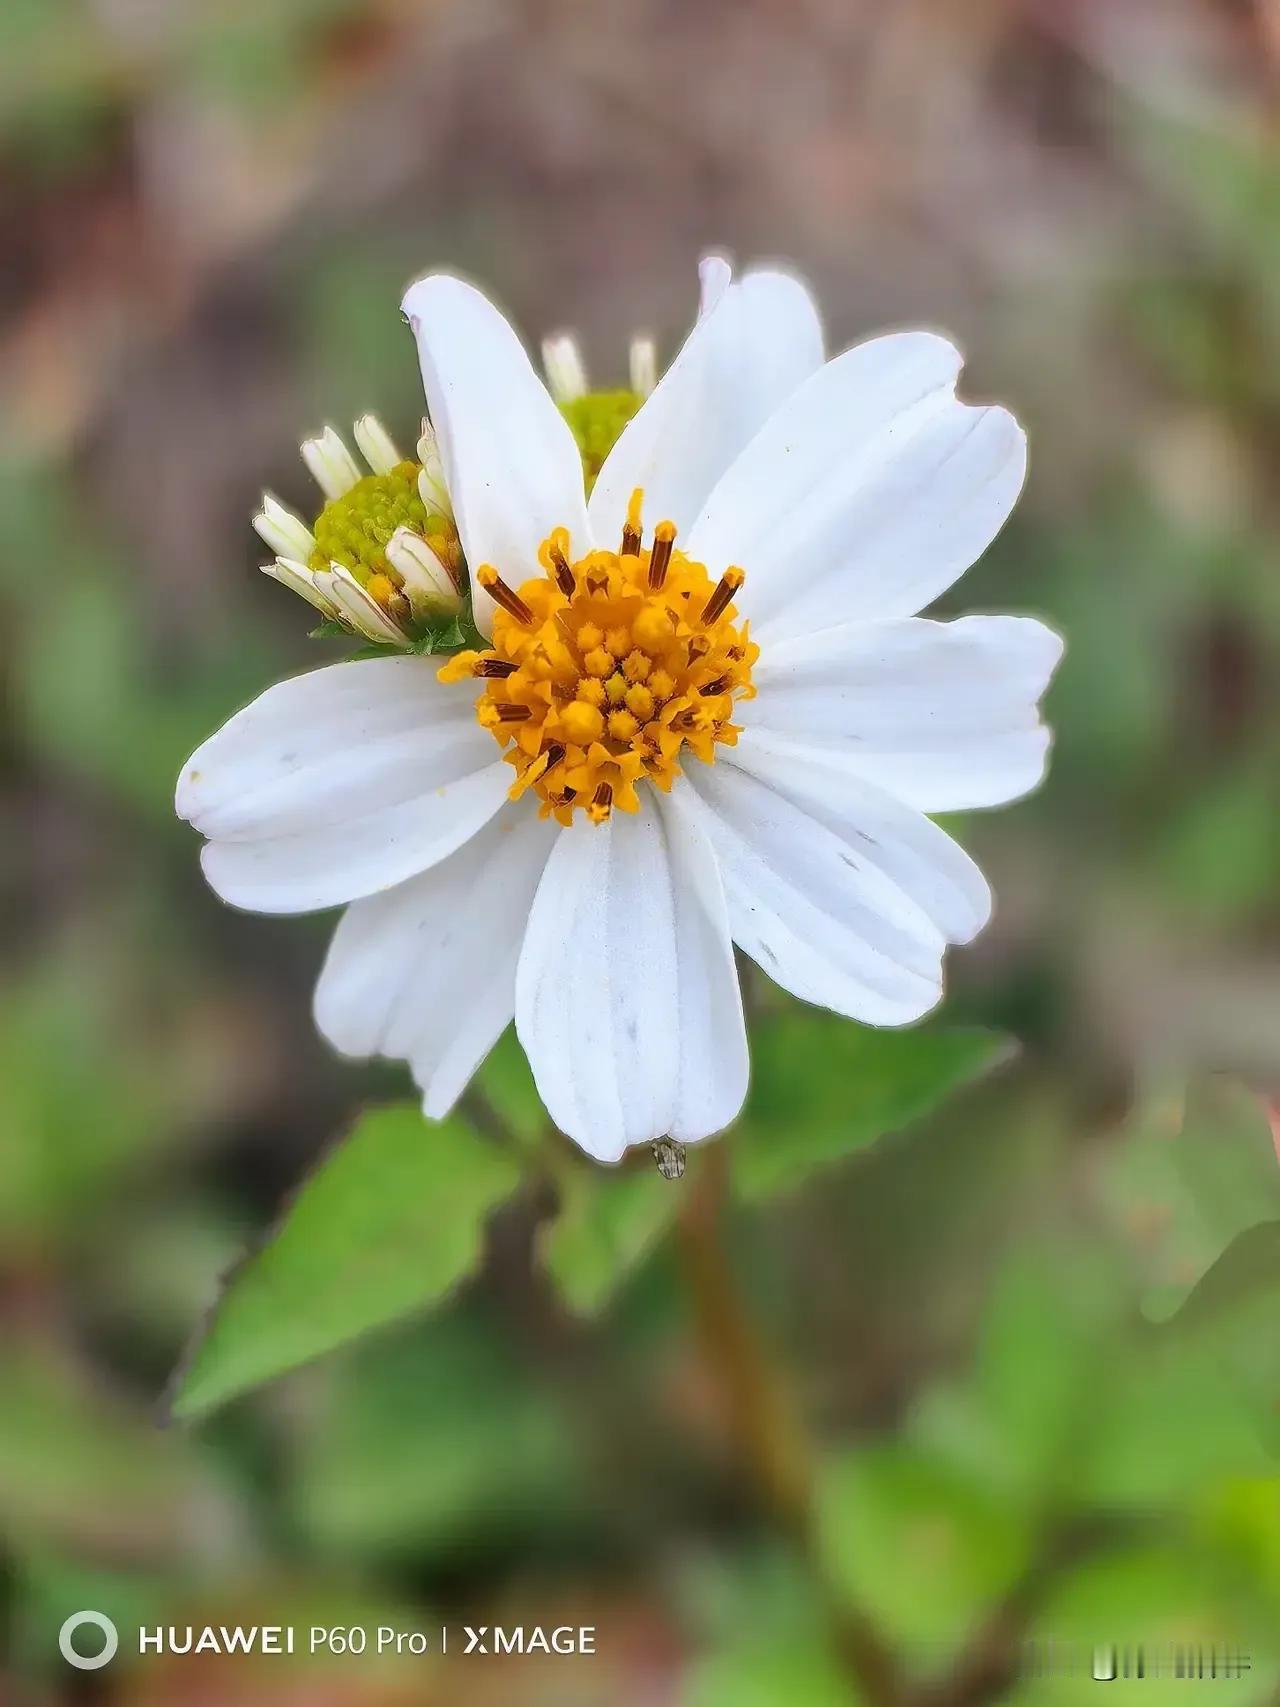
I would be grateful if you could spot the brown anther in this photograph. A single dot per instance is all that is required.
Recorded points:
(632, 532)
(720, 685)
(726, 590)
(555, 755)
(494, 667)
(501, 594)
(664, 539)
(565, 578)
(512, 711)
(601, 803)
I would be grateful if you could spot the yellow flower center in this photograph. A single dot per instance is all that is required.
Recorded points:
(604, 671)
(353, 530)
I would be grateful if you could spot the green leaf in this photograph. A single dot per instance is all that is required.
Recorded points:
(1017, 1421)
(389, 1222)
(1166, 1424)
(607, 1224)
(823, 1088)
(433, 1438)
(789, 1672)
(922, 1549)
(1196, 1172)
(1232, 1315)
(506, 1082)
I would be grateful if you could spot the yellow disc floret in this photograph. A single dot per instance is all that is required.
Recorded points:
(610, 669)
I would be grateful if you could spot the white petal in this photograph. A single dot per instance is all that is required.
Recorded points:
(868, 493)
(564, 367)
(332, 465)
(755, 343)
(427, 971)
(431, 483)
(338, 784)
(376, 445)
(627, 1000)
(906, 847)
(715, 275)
(643, 364)
(942, 714)
(357, 607)
(287, 535)
(809, 905)
(301, 580)
(429, 587)
(513, 470)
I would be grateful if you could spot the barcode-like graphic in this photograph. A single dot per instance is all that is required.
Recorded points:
(1109, 1662)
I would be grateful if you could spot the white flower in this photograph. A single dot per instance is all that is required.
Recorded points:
(682, 782)
(383, 557)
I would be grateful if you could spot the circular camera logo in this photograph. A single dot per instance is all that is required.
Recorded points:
(97, 1621)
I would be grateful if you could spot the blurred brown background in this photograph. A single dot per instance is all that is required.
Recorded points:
(208, 212)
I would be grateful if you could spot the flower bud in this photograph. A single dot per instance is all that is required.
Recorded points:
(430, 589)
(357, 607)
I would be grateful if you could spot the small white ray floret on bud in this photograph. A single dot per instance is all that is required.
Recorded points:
(430, 589)
(334, 468)
(301, 580)
(566, 371)
(357, 608)
(287, 535)
(432, 488)
(376, 445)
(644, 365)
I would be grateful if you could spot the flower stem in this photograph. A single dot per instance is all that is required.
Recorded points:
(770, 1444)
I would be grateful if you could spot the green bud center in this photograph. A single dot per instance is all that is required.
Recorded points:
(353, 530)
(596, 422)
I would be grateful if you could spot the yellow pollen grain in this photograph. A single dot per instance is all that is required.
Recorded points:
(380, 588)
(661, 685)
(591, 691)
(636, 666)
(639, 702)
(623, 726)
(616, 688)
(598, 662)
(618, 640)
(589, 637)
